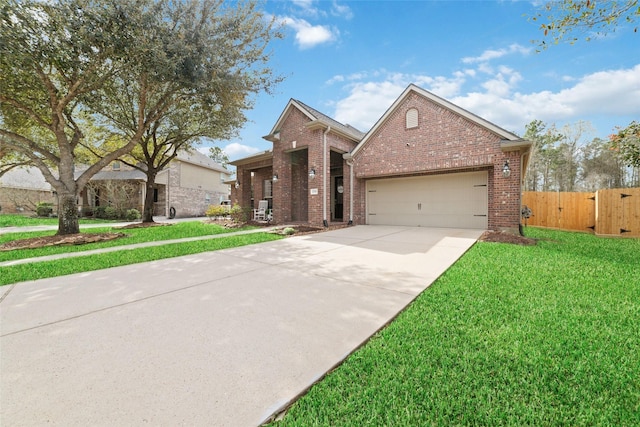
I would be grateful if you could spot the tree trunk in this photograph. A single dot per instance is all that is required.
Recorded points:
(147, 210)
(67, 214)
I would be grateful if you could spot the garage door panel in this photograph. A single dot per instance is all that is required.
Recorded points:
(451, 200)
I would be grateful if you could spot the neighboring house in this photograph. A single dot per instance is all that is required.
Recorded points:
(21, 189)
(190, 184)
(186, 188)
(426, 162)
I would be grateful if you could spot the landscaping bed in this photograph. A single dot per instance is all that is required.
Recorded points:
(66, 240)
(505, 237)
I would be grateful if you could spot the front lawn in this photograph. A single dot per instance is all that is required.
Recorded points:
(134, 235)
(44, 269)
(13, 220)
(546, 335)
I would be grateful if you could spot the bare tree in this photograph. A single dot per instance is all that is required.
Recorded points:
(570, 20)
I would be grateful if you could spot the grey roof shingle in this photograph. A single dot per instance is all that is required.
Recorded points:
(25, 178)
(133, 175)
(347, 129)
(197, 158)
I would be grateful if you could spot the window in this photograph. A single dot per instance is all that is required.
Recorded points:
(115, 166)
(267, 189)
(412, 118)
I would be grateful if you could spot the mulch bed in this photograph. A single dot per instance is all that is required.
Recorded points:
(69, 239)
(142, 225)
(504, 237)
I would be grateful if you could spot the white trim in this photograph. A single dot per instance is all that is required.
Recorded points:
(283, 116)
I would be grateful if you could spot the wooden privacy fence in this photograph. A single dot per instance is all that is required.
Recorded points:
(607, 212)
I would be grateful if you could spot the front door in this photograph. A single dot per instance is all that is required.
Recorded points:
(338, 197)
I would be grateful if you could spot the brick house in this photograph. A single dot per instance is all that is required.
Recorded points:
(21, 189)
(426, 162)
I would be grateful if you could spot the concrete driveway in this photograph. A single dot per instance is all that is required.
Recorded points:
(222, 338)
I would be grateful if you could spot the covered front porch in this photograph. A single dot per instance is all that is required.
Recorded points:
(294, 188)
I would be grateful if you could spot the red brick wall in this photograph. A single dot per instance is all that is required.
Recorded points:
(442, 142)
(292, 198)
(287, 192)
(242, 195)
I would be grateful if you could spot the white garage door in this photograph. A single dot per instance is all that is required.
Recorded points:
(453, 200)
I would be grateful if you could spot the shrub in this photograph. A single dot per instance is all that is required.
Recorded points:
(110, 212)
(44, 209)
(239, 214)
(217, 211)
(133, 214)
(288, 231)
(99, 212)
(86, 211)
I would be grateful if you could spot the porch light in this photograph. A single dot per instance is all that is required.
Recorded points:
(312, 173)
(275, 177)
(506, 170)
(237, 184)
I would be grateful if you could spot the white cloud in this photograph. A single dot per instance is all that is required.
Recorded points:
(335, 79)
(606, 93)
(340, 78)
(366, 103)
(490, 54)
(368, 100)
(236, 150)
(308, 35)
(306, 7)
(503, 82)
(304, 4)
(340, 10)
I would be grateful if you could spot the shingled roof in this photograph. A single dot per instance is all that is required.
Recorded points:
(27, 178)
(347, 129)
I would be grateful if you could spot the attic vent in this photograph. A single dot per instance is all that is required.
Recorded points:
(412, 118)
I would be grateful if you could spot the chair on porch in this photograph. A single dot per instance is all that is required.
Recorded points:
(260, 214)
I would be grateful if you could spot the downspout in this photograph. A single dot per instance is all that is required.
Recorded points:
(350, 163)
(325, 222)
(522, 182)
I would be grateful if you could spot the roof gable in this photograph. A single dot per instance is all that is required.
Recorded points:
(197, 158)
(412, 88)
(316, 119)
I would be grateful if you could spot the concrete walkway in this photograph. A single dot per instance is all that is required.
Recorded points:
(27, 229)
(223, 338)
(132, 246)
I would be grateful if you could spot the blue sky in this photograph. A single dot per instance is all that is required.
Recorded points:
(352, 59)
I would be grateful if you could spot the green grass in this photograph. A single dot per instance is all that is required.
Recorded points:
(40, 270)
(134, 235)
(509, 336)
(11, 220)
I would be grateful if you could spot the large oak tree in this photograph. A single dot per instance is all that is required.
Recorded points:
(127, 67)
(219, 47)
